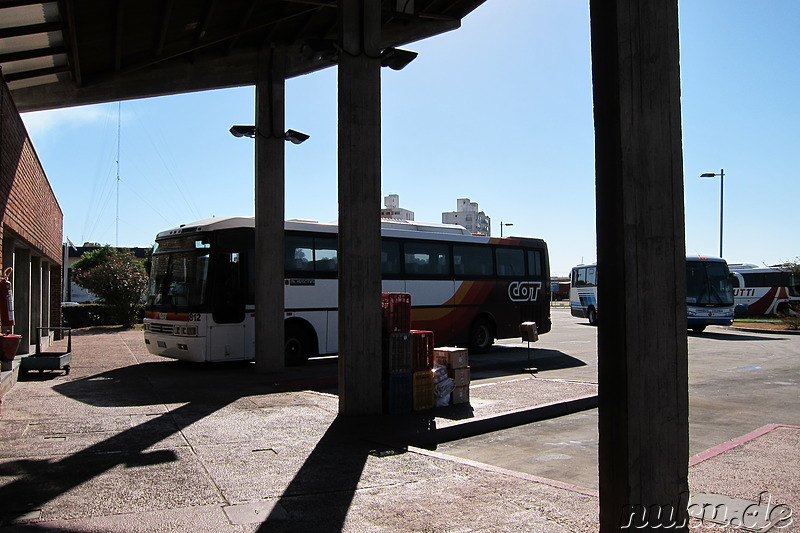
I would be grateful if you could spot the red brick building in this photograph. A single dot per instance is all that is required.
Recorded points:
(31, 225)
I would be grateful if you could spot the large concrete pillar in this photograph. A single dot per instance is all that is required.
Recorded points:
(359, 204)
(269, 211)
(21, 279)
(644, 442)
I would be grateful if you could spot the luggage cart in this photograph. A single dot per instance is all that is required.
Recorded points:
(42, 361)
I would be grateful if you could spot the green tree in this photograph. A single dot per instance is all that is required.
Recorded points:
(116, 277)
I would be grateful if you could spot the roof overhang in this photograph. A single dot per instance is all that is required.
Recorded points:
(63, 53)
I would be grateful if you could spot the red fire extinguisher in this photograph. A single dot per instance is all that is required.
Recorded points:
(6, 300)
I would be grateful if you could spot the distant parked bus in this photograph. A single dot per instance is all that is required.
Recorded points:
(765, 290)
(709, 295)
(468, 290)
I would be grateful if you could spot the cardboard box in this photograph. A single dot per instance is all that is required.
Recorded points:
(460, 376)
(528, 332)
(460, 395)
(451, 357)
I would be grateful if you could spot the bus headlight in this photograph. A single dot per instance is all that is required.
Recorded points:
(186, 331)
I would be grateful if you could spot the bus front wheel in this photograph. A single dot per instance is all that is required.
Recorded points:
(297, 345)
(481, 336)
(591, 314)
(698, 329)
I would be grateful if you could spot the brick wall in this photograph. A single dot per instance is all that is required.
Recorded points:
(28, 206)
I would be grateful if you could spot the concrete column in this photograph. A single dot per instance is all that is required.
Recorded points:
(21, 279)
(642, 350)
(36, 296)
(269, 211)
(45, 306)
(359, 202)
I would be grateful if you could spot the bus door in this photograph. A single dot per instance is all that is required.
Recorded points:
(228, 298)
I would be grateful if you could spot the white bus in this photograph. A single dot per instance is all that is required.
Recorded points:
(467, 289)
(765, 290)
(709, 294)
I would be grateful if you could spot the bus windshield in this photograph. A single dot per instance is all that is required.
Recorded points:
(708, 283)
(179, 274)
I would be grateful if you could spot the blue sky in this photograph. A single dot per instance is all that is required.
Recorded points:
(499, 111)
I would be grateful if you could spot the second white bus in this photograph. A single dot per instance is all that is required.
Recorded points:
(709, 294)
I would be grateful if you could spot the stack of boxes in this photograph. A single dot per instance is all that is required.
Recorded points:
(409, 358)
(457, 362)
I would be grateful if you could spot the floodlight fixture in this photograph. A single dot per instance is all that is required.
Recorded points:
(295, 137)
(397, 59)
(243, 131)
(320, 50)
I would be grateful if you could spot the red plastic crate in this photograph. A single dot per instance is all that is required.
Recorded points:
(421, 350)
(396, 307)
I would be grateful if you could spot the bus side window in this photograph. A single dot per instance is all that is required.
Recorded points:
(390, 257)
(299, 254)
(534, 263)
(427, 258)
(591, 276)
(510, 262)
(325, 257)
(472, 261)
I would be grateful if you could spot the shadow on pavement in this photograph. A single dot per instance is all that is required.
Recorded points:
(331, 473)
(733, 336)
(510, 360)
(201, 390)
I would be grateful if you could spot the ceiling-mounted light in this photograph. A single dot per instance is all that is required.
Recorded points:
(295, 137)
(243, 131)
(320, 50)
(397, 59)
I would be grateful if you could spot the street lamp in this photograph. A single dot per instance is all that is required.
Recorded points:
(721, 186)
(504, 224)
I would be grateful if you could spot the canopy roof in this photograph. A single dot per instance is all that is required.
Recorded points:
(70, 52)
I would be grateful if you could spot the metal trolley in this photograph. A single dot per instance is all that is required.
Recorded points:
(42, 361)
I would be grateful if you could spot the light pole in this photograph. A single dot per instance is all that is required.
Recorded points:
(721, 187)
(504, 224)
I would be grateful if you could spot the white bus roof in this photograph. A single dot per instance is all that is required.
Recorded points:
(395, 228)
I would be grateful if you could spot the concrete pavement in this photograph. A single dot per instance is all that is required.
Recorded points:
(131, 442)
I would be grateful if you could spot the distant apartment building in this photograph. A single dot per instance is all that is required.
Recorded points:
(393, 210)
(467, 215)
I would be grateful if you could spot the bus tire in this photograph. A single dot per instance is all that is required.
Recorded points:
(591, 314)
(698, 329)
(298, 345)
(481, 336)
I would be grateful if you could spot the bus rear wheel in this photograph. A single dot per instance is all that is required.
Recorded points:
(298, 345)
(481, 336)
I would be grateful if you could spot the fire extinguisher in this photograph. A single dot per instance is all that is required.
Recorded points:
(6, 300)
